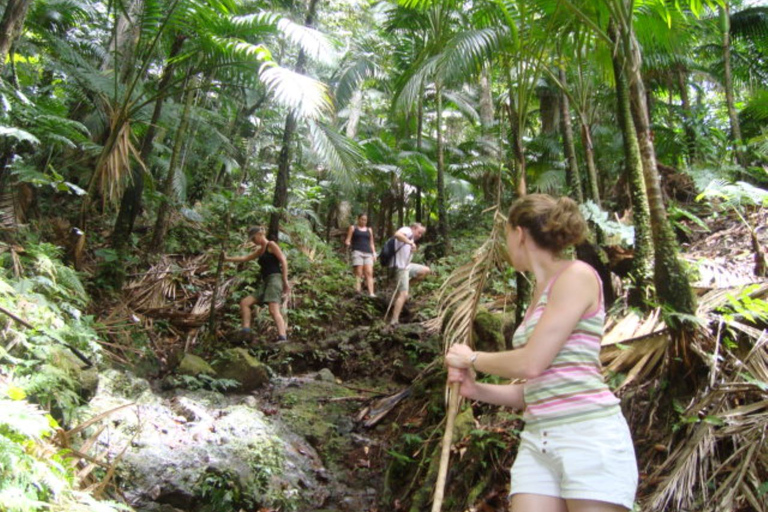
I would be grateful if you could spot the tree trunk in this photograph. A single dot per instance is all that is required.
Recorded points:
(641, 276)
(419, 143)
(11, 25)
(549, 109)
(125, 34)
(486, 100)
(672, 285)
(589, 154)
(725, 20)
(163, 212)
(569, 148)
(355, 112)
(280, 199)
(687, 114)
(130, 206)
(442, 211)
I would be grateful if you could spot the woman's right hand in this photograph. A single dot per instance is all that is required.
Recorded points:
(465, 377)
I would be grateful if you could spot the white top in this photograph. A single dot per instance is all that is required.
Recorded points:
(403, 250)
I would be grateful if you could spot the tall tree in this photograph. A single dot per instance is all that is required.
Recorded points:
(280, 199)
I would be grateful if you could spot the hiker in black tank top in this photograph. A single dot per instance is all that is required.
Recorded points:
(274, 276)
(360, 242)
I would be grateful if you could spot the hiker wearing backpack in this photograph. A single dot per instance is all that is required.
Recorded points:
(360, 240)
(405, 271)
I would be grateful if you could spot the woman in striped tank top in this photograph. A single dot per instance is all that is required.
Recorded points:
(576, 453)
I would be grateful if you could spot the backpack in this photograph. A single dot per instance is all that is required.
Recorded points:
(387, 253)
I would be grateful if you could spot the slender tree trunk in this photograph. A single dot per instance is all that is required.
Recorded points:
(690, 133)
(280, 199)
(355, 112)
(163, 212)
(11, 25)
(589, 156)
(672, 284)
(130, 206)
(725, 20)
(569, 147)
(419, 143)
(442, 211)
(549, 109)
(486, 100)
(642, 271)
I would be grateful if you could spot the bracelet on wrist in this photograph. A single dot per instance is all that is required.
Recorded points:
(472, 359)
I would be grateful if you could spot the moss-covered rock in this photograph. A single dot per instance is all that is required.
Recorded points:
(86, 379)
(194, 365)
(489, 334)
(237, 364)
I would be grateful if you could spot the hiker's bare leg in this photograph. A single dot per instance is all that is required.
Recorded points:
(593, 506)
(536, 503)
(358, 270)
(368, 273)
(424, 272)
(245, 310)
(274, 310)
(397, 308)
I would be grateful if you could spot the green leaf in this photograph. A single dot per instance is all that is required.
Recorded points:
(15, 393)
(18, 134)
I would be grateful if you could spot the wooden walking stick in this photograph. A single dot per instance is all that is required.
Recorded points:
(458, 300)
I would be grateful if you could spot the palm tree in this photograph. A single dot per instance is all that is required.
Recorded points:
(672, 283)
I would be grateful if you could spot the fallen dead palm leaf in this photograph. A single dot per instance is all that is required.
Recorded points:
(458, 300)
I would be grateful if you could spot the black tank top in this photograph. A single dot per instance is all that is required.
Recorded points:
(361, 240)
(269, 263)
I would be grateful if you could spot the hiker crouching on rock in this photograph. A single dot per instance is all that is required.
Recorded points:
(575, 453)
(405, 271)
(360, 240)
(274, 276)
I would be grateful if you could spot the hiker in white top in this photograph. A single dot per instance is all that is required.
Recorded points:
(406, 272)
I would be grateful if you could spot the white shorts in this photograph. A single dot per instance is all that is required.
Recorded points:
(360, 258)
(586, 460)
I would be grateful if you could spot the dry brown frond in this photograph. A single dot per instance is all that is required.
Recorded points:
(113, 170)
(460, 293)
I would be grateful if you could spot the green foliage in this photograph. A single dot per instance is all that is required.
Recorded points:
(34, 474)
(49, 296)
(614, 232)
(745, 307)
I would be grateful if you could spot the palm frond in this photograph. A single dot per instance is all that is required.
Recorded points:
(354, 74)
(465, 54)
(461, 292)
(465, 105)
(311, 41)
(340, 154)
(307, 96)
(750, 23)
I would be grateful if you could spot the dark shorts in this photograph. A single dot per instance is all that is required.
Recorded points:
(271, 289)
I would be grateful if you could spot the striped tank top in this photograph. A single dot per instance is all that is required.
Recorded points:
(572, 388)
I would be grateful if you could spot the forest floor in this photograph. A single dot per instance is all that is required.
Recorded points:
(391, 378)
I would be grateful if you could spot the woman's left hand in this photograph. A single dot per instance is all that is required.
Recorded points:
(458, 356)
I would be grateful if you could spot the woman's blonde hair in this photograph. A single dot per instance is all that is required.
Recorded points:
(255, 230)
(554, 224)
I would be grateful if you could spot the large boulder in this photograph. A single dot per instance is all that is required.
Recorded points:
(87, 378)
(197, 450)
(238, 364)
(194, 366)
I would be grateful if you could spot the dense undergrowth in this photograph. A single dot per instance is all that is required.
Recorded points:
(44, 382)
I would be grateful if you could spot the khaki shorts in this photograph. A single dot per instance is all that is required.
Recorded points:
(360, 258)
(403, 276)
(402, 279)
(271, 289)
(584, 460)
